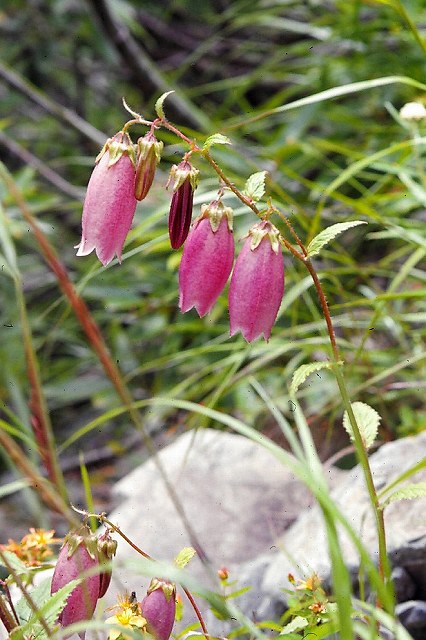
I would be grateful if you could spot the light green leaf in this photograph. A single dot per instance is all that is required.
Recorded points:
(184, 556)
(15, 563)
(304, 371)
(409, 492)
(296, 624)
(255, 186)
(159, 108)
(216, 138)
(368, 421)
(403, 476)
(49, 606)
(323, 238)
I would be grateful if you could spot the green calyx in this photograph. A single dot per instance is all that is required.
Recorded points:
(168, 588)
(117, 146)
(102, 547)
(83, 535)
(264, 229)
(179, 173)
(215, 211)
(149, 146)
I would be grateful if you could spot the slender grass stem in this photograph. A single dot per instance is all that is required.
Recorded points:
(40, 419)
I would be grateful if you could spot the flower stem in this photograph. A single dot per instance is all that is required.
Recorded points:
(384, 565)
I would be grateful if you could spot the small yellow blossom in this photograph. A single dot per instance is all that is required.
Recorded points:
(310, 584)
(129, 615)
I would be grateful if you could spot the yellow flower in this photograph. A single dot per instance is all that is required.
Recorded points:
(310, 584)
(129, 616)
(38, 538)
(33, 549)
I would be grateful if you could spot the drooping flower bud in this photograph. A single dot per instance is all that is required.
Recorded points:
(80, 552)
(257, 283)
(159, 608)
(110, 202)
(207, 259)
(185, 179)
(148, 156)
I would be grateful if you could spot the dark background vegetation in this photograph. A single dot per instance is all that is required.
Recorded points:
(65, 66)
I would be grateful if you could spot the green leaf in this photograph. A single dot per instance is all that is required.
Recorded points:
(368, 421)
(403, 476)
(323, 238)
(255, 186)
(49, 606)
(304, 371)
(409, 492)
(184, 556)
(15, 563)
(296, 624)
(159, 108)
(216, 138)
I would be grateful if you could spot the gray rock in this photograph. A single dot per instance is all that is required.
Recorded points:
(304, 545)
(412, 615)
(236, 495)
(405, 587)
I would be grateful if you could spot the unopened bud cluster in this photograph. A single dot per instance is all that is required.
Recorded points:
(124, 174)
(86, 557)
(82, 552)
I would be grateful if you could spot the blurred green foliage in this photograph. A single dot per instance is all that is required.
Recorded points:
(228, 61)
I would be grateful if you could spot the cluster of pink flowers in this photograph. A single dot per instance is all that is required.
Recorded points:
(124, 174)
(83, 555)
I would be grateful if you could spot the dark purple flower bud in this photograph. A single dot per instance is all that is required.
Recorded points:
(257, 283)
(148, 156)
(81, 552)
(159, 608)
(207, 259)
(185, 178)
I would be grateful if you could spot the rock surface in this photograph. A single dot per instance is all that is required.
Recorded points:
(305, 541)
(237, 497)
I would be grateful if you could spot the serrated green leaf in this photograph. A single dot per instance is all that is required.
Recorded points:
(409, 492)
(159, 105)
(49, 606)
(216, 138)
(184, 556)
(297, 624)
(14, 562)
(368, 421)
(304, 371)
(255, 186)
(323, 238)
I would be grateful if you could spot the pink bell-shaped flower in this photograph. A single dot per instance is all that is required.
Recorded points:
(82, 551)
(257, 283)
(110, 201)
(207, 259)
(185, 180)
(159, 608)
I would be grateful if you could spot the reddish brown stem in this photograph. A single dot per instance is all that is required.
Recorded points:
(197, 613)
